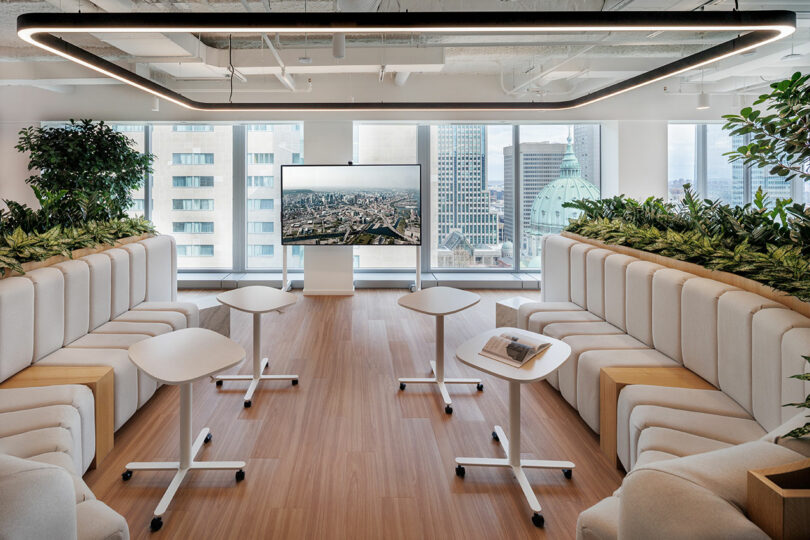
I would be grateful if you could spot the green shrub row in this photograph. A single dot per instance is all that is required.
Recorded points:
(18, 247)
(763, 242)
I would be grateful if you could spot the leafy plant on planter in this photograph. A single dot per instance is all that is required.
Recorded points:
(780, 136)
(86, 171)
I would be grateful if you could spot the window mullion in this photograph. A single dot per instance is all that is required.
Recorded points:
(239, 199)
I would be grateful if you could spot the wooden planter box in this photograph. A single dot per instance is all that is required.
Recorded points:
(77, 253)
(790, 302)
(779, 500)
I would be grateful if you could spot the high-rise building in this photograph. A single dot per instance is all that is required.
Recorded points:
(587, 151)
(539, 166)
(774, 186)
(462, 194)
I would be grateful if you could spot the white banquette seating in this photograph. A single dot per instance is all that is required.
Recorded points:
(86, 311)
(616, 310)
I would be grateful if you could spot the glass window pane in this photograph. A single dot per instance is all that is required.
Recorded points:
(193, 183)
(466, 174)
(557, 163)
(723, 181)
(775, 186)
(269, 146)
(681, 162)
(381, 144)
(136, 132)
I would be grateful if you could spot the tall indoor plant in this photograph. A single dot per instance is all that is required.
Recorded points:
(780, 142)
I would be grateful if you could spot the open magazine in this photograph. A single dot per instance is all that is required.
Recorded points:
(513, 350)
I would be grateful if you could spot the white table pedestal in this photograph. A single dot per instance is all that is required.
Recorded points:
(437, 367)
(186, 463)
(259, 364)
(513, 460)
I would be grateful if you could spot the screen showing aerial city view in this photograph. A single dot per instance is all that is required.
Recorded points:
(377, 205)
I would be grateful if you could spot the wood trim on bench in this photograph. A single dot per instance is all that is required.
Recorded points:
(790, 302)
(98, 378)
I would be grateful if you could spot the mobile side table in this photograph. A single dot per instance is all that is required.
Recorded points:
(256, 299)
(534, 370)
(439, 301)
(180, 358)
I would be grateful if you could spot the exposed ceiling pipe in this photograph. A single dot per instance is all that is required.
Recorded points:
(283, 77)
(545, 73)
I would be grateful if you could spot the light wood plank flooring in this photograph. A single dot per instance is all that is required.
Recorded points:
(345, 454)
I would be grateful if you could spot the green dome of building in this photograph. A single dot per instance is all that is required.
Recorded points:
(547, 214)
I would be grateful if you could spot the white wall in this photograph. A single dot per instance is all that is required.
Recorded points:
(14, 166)
(328, 270)
(634, 158)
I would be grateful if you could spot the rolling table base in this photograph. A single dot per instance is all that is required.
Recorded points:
(437, 367)
(258, 366)
(513, 460)
(186, 463)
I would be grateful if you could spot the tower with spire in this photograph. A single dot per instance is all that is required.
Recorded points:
(548, 215)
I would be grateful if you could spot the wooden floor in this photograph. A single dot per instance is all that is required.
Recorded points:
(345, 454)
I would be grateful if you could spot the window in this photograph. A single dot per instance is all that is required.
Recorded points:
(385, 144)
(259, 227)
(179, 158)
(192, 128)
(259, 181)
(466, 177)
(206, 227)
(129, 128)
(192, 181)
(260, 250)
(195, 250)
(696, 157)
(180, 154)
(297, 159)
(135, 132)
(192, 204)
(137, 206)
(260, 204)
(556, 163)
(268, 147)
(260, 158)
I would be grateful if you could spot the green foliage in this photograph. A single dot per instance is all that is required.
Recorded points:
(18, 246)
(86, 172)
(805, 429)
(769, 245)
(780, 137)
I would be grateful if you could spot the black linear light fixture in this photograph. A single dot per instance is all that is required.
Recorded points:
(754, 29)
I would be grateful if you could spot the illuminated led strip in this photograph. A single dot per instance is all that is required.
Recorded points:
(757, 28)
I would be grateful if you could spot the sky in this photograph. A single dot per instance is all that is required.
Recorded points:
(356, 177)
(681, 140)
(499, 137)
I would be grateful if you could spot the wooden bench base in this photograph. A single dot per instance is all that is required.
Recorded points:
(98, 378)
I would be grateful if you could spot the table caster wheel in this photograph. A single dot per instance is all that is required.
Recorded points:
(295, 382)
(460, 471)
(219, 383)
(495, 436)
(480, 387)
(156, 524)
(208, 438)
(240, 475)
(248, 403)
(126, 475)
(568, 473)
(402, 386)
(538, 520)
(448, 409)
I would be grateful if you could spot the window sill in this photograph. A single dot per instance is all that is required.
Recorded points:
(366, 280)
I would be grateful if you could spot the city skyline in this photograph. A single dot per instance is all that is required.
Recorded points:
(344, 177)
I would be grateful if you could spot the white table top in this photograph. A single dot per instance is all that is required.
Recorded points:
(185, 355)
(257, 299)
(439, 300)
(533, 370)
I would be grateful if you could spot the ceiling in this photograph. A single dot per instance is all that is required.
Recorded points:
(522, 67)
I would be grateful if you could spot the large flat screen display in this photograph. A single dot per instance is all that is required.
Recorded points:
(355, 205)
